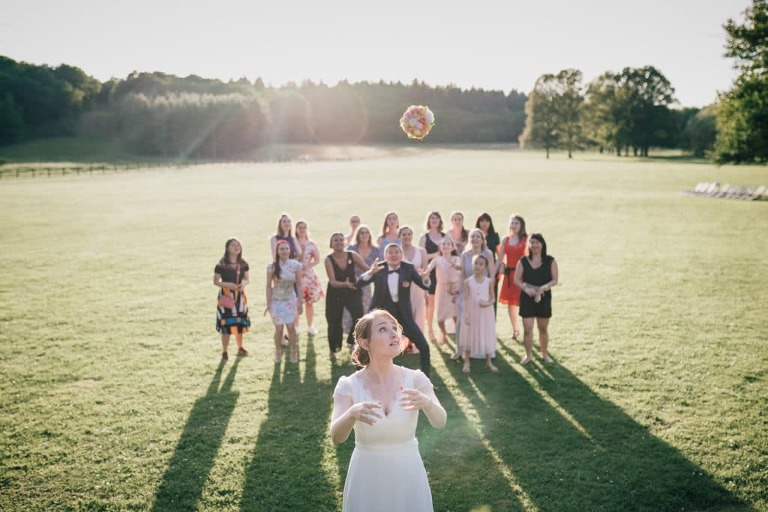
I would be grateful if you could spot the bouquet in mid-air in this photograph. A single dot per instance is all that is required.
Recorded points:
(417, 121)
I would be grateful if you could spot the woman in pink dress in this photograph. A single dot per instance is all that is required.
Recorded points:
(417, 257)
(513, 247)
(478, 332)
(430, 242)
(447, 271)
(309, 256)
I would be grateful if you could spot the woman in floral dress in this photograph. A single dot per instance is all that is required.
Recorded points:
(284, 303)
(309, 256)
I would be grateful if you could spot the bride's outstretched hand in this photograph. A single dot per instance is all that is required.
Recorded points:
(365, 412)
(414, 400)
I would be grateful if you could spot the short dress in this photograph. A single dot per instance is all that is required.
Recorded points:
(283, 303)
(232, 320)
(510, 293)
(432, 248)
(313, 289)
(537, 277)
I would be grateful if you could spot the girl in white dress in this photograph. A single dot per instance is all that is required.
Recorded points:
(478, 334)
(381, 403)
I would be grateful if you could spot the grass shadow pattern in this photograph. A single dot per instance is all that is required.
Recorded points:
(189, 467)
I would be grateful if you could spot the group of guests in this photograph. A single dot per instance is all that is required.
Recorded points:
(450, 274)
(454, 274)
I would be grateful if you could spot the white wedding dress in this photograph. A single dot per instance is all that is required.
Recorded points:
(386, 473)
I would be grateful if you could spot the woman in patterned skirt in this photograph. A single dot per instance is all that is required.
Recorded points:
(231, 277)
(284, 292)
(309, 256)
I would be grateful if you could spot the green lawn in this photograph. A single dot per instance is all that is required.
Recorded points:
(113, 397)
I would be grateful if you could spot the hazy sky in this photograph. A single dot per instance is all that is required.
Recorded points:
(493, 44)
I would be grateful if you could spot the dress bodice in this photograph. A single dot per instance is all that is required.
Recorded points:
(282, 288)
(395, 428)
(478, 292)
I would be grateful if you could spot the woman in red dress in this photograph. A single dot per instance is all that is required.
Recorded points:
(513, 247)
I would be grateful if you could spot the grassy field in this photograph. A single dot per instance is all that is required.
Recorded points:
(113, 396)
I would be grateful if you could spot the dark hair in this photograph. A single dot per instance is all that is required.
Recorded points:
(537, 236)
(330, 240)
(485, 216)
(464, 232)
(384, 227)
(361, 356)
(279, 221)
(482, 256)
(226, 250)
(400, 231)
(440, 226)
(276, 263)
(522, 233)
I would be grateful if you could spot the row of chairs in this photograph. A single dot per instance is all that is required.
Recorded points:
(729, 191)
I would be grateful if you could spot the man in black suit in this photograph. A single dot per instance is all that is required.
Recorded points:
(392, 292)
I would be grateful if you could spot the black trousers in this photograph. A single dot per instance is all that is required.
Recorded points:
(412, 331)
(336, 299)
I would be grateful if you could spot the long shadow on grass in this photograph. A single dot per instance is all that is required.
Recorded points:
(187, 472)
(577, 451)
(285, 471)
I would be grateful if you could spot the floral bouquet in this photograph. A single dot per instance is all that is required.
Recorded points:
(417, 121)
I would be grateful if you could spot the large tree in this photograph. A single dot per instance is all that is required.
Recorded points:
(553, 112)
(630, 109)
(541, 119)
(742, 113)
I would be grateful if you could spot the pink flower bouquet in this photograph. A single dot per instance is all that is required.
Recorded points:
(417, 121)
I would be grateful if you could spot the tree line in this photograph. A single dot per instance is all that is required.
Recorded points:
(625, 112)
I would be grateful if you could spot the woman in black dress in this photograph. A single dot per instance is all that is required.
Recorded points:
(231, 277)
(430, 242)
(341, 292)
(536, 274)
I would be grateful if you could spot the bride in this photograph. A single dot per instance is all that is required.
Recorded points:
(381, 403)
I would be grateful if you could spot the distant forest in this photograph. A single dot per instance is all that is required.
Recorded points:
(193, 117)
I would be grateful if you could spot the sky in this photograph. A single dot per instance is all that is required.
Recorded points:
(489, 44)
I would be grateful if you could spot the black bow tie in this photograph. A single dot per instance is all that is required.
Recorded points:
(393, 271)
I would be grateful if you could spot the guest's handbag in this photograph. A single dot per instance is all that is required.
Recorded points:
(227, 301)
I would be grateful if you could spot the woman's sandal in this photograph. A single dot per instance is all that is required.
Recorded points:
(456, 357)
(294, 357)
(466, 369)
(492, 368)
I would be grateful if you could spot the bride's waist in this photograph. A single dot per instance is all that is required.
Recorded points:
(386, 446)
